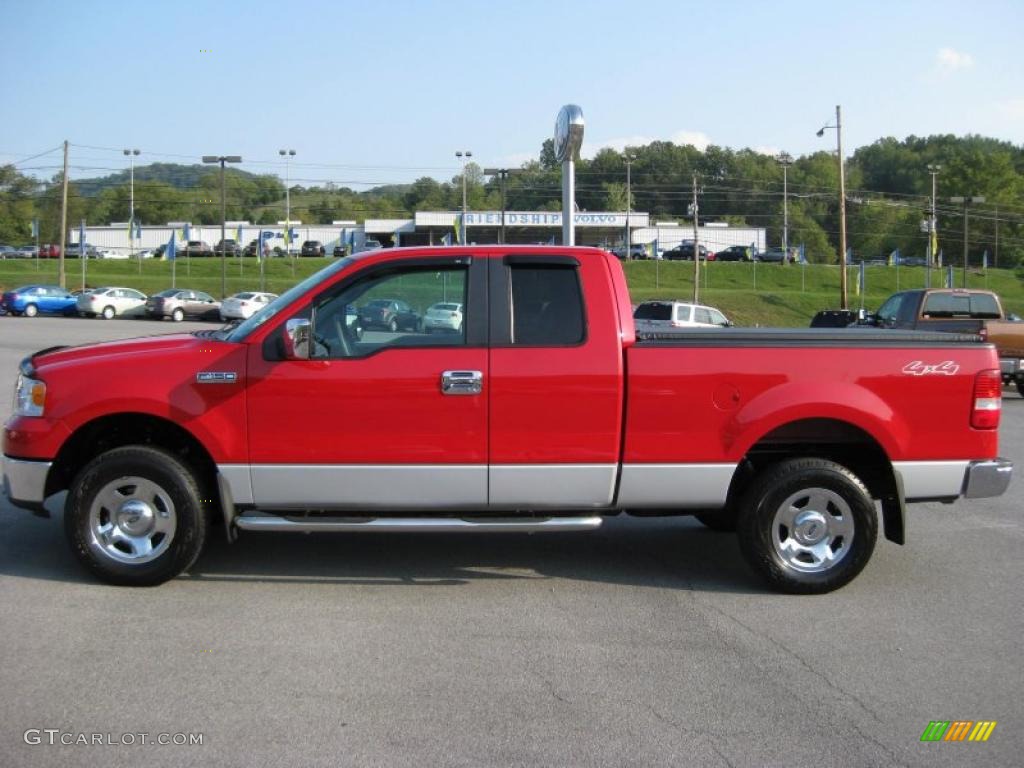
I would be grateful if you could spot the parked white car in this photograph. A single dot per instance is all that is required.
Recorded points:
(446, 316)
(665, 316)
(110, 302)
(244, 305)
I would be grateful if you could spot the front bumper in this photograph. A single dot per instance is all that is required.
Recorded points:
(985, 479)
(25, 482)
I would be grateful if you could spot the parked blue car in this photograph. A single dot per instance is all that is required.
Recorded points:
(30, 300)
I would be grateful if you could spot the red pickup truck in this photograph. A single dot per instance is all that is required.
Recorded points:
(542, 410)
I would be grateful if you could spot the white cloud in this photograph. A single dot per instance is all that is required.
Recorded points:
(948, 60)
(697, 138)
(516, 159)
(771, 151)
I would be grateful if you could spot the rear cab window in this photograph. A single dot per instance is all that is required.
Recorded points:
(547, 305)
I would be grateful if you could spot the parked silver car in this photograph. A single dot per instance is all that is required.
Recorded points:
(179, 303)
(111, 302)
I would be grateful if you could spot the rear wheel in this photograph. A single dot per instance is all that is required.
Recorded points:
(807, 526)
(134, 516)
(108, 313)
(30, 310)
(178, 315)
(1019, 381)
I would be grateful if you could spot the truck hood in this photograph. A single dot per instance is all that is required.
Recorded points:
(171, 345)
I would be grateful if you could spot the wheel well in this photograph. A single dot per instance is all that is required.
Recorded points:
(830, 439)
(114, 431)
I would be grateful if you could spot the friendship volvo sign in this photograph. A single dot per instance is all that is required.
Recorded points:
(553, 219)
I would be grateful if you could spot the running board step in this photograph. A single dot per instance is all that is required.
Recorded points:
(262, 522)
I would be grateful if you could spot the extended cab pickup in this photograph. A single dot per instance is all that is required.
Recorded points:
(542, 411)
(959, 311)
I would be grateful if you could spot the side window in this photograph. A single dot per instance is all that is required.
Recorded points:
(547, 305)
(888, 311)
(389, 309)
(701, 315)
(203, 296)
(718, 318)
(683, 312)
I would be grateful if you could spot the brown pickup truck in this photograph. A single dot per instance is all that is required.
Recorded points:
(958, 310)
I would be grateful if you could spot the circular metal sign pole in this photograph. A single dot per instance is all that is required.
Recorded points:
(568, 139)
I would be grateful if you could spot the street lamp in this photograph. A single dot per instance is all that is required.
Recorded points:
(463, 156)
(131, 154)
(842, 205)
(222, 159)
(785, 160)
(628, 239)
(965, 201)
(287, 154)
(502, 174)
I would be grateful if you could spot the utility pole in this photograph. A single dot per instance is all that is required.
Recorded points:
(933, 230)
(463, 156)
(502, 174)
(966, 201)
(628, 239)
(785, 160)
(287, 154)
(222, 159)
(843, 290)
(696, 245)
(64, 222)
(995, 259)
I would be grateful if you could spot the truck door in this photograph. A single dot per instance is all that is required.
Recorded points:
(556, 383)
(379, 418)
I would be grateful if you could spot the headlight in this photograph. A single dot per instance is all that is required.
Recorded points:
(29, 396)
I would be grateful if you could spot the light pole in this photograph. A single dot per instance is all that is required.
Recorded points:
(131, 155)
(933, 228)
(842, 205)
(502, 174)
(287, 154)
(628, 239)
(222, 159)
(966, 202)
(463, 156)
(785, 160)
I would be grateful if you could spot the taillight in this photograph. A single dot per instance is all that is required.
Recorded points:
(988, 400)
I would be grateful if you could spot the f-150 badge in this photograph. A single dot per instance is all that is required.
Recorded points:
(918, 368)
(216, 377)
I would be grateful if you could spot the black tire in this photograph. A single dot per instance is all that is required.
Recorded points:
(819, 559)
(721, 520)
(393, 325)
(109, 313)
(30, 310)
(178, 315)
(179, 499)
(1019, 382)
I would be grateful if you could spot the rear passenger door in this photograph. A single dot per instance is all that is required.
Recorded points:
(556, 383)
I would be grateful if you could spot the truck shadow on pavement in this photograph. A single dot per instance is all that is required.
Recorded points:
(674, 553)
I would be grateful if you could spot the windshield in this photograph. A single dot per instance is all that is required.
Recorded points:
(242, 330)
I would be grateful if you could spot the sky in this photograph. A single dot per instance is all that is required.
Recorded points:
(371, 93)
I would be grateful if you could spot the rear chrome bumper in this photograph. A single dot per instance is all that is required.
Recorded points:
(25, 482)
(985, 479)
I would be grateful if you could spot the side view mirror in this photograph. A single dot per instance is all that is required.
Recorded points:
(297, 333)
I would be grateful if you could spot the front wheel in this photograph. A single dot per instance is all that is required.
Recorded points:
(807, 526)
(30, 310)
(178, 315)
(393, 325)
(1019, 381)
(108, 313)
(134, 516)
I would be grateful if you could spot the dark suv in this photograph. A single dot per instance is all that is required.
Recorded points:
(390, 314)
(228, 247)
(313, 248)
(684, 252)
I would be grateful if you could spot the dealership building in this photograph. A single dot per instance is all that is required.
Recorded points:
(603, 229)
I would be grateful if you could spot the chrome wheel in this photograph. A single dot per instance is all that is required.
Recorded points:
(812, 530)
(132, 520)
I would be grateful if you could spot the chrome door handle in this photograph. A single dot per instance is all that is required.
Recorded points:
(462, 383)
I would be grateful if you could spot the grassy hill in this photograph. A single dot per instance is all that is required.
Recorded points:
(750, 294)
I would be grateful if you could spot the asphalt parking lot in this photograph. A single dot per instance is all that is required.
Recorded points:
(646, 643)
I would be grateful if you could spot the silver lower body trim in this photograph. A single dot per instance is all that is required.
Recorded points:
(365, 486)
(551, 486)
(932, 479)
(25, 480)
(682, 486)
(259, 522)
